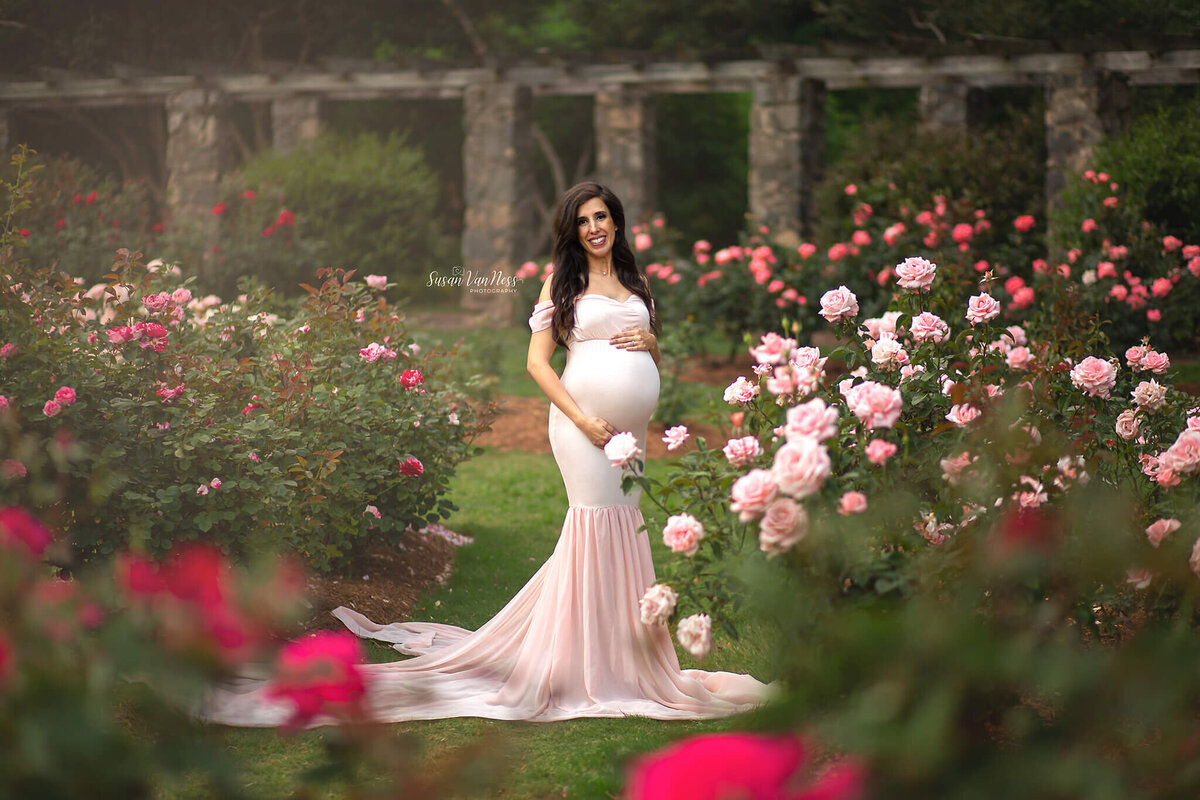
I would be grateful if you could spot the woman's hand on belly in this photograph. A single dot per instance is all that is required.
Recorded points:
(597, 430)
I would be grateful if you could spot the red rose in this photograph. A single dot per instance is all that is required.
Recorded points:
(411, 467)
(411, 378)
(218, 209)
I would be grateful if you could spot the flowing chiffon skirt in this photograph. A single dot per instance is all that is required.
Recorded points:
(571, 643)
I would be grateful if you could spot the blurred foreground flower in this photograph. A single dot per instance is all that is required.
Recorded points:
(320, 673)
(737, 765)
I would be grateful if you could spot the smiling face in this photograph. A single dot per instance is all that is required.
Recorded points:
(596, 229)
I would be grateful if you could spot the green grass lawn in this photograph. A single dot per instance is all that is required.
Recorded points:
(513, 504)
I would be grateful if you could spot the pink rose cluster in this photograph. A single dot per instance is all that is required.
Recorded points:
(63, 398)
(1094, 376)
(683, 534)
(150, 335)
(375, 351)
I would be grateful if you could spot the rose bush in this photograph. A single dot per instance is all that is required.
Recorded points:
(143, 413)
(955, 526)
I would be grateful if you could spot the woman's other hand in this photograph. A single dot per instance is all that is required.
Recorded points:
(597, 430)
(634, 338)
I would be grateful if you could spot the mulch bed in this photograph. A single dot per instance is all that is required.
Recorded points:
(385, 584)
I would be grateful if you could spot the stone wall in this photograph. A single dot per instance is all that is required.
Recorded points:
(294, 120)
(626, 159)
(498, 191)
(193, 153)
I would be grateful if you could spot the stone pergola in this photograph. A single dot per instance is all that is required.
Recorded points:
(1083, 96)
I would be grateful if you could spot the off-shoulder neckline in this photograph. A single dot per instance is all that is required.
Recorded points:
(606, 297)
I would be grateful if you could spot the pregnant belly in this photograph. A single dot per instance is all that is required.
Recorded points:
(619, 385)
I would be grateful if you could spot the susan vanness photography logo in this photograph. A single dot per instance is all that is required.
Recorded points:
(493, 282)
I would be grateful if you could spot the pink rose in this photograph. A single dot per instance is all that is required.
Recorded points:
(876, 405)
(742, 452)
(852, 503)
(1155, 362)
(215, 483)
(740, 391)
(809, 357)
(695, 634)
(8, 351)
(879, 451)
(318, 673)
(774, 349)
(1030, 492)
(839, 304)
(675, 437)
(121, 334)
(4, 404)
(962, 414)
(682, 534)
(752, 493)
(1019, 358)
(1171, 244)
(411, 467)
(1149, 395)
(622, 450)
(1139, 578)
(982, 308)
(800, 467)
(642, 242)
(1127, 424)
(658, 604)
(18, 526)
(783, 525)
(888, 353)
(375, 351)
(181, 296)
(1023, 223)
(1094, 376)
(411, 378)
(254, 457)
(12, 469)
(915, 273)
(51, 409)
(373, 511)
(811, 420)
(202, 489)
(379, 282)
(156, 302)
(1183, 456)
(1160, 529)
(953, 468)
(927, 327)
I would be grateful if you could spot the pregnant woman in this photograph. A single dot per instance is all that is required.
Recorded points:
(571, 643)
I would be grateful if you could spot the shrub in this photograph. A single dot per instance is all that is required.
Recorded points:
(371, 202)
(77, 217)
(174, 417)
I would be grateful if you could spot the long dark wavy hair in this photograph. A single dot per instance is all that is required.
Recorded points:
(570, 277)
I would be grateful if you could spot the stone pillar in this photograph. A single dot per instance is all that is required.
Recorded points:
(5, 133)
(1082, 108)
(786, 150)
(294, 120)
(497, 190)
(193, 153)
(943, 107)
(626, 161)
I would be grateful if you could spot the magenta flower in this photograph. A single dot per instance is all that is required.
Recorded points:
(320, 673)
(51, 409)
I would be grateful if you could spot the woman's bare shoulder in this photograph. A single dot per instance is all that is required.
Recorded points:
(546, 287)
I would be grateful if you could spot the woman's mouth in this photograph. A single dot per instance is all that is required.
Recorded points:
(598, 241)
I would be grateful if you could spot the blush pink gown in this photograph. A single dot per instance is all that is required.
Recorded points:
(571, 643)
